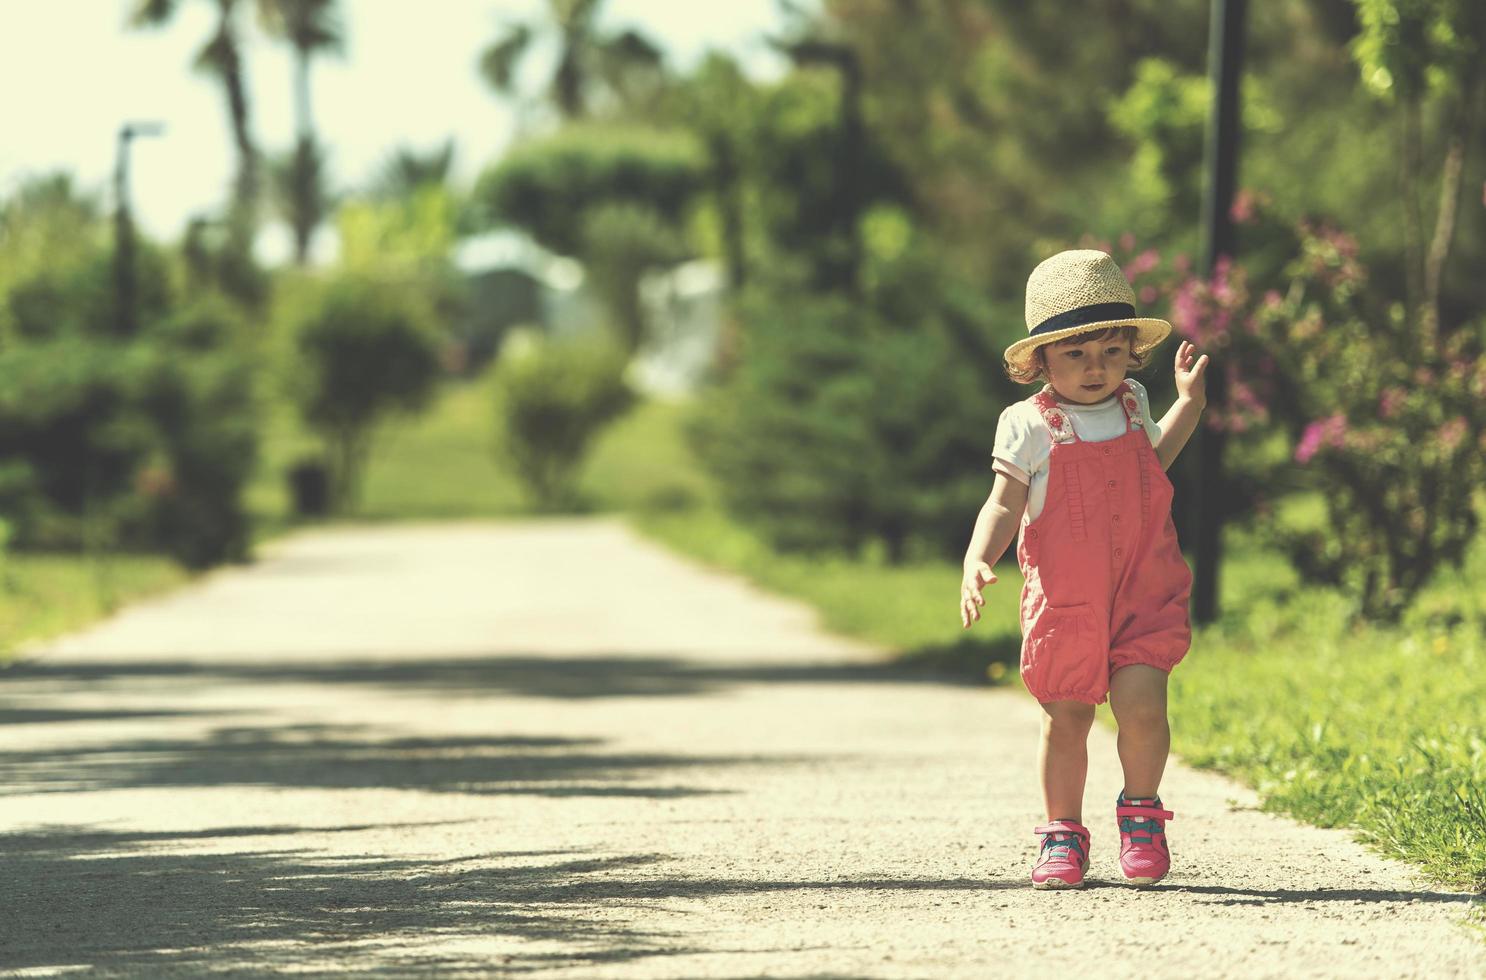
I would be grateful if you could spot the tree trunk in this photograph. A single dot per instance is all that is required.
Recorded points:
(1413, 222)
(303, 122)
(1444, 226)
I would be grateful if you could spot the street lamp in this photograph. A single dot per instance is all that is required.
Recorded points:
(124, 286)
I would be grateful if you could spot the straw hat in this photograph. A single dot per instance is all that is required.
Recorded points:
(1075, 292)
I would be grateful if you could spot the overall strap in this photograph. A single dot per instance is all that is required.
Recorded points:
(1060, 427)
(1131, 405)
(1126, 396)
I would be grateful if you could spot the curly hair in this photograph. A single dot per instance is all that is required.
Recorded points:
(1037, 370)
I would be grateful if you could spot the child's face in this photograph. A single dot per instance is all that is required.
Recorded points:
(1089, 372)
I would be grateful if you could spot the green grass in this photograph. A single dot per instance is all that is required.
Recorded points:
(446, 464)
(46, 595)
(1378, 728)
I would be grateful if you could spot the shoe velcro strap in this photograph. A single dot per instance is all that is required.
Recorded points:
(1063, 827)
(1143, 811)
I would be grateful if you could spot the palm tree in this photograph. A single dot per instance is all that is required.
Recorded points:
(407, 170)
(221, 58)
(624, 64)
(311, 27)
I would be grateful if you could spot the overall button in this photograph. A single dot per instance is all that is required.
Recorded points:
(1119, 553)
(1110, 484)
(1032, 535)
(1108, 451)
(1116, 518)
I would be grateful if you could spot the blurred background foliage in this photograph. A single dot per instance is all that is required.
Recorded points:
(871, 212)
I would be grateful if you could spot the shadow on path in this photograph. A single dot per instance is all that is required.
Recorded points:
(120, 902)
(578, 677)
(354, 757)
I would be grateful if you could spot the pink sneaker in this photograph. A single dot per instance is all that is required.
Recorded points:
(1144, 855)
(1065, 855)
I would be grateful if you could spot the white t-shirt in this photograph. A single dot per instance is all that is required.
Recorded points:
(1023, 444)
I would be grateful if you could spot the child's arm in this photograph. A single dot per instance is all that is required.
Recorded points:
(994, 529)
(1191, 398)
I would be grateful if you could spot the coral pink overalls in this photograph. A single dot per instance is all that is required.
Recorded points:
(1106, 584)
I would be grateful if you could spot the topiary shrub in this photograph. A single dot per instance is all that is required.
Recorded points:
(365, 350)
(552, 399)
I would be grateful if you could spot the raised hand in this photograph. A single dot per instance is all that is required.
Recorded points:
(1191, 378)
(977, 577)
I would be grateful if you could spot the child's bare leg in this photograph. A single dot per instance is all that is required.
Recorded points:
(1064, 757)
(1137, 696)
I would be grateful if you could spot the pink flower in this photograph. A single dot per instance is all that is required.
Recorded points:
(1147, 295)
(1451, 433)
(1330, 431)
(1243, 207)
(1390, 401)
(1185, 313)
(1142, 263)
(1127, 242)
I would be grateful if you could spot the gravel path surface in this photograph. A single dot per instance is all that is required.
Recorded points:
(553, 749)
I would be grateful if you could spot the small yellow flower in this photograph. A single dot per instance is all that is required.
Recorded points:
(996, 671)
(1441, 645)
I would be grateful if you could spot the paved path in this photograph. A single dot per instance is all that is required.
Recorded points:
(552, 749)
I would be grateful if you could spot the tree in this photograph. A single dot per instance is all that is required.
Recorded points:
(1409, 50)
(221, 58)
(407, 171)
(311, 27)
(366, 351)
(591, 65)
(616, 198)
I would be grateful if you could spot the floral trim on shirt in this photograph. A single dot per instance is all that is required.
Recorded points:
(1058, 423)
(1132, 406)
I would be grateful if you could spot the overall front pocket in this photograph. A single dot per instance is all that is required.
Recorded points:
(1066, 651)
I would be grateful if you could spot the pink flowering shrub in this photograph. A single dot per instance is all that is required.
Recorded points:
(1388, 423)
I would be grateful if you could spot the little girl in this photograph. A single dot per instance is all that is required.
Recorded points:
(1080, 469)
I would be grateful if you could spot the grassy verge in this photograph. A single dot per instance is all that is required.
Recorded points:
(45, 595)
(446, 464)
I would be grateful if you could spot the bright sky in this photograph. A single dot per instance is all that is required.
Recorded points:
(70, 74)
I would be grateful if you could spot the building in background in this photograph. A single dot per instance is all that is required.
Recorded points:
(513, 282)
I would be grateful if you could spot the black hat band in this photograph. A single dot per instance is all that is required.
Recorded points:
(1094, 313)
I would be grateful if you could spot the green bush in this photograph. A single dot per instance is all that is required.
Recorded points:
(200, 397)
(143, 444)
(552, 399)
(71, 433)
(366, 350)
(863, 421)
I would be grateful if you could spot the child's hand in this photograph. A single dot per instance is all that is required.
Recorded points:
(977, 577)
(1191, 379)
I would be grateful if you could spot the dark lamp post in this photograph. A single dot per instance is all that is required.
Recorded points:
(1225, 68)
(124, 284)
